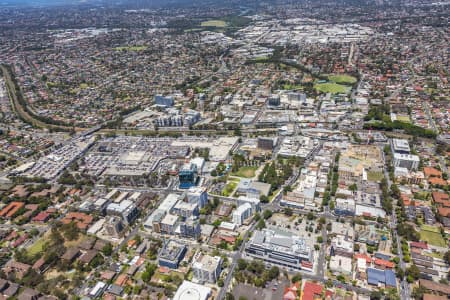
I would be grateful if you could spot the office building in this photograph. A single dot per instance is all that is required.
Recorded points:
(242, 213)
(190, 228)
(254, 202)
(197, 195)
(188, 176)
(114, 226)
(266, 143)
(168, 224)
(171, 254)
(126, 209)
(408, 161)
(186, 209)
(279, 247)
(344, 207)
(273, 100)
(206, 268)
(164, 101)
(400, 146)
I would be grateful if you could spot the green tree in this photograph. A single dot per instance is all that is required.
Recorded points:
(296, 278)
(107, 249)
(267, 214)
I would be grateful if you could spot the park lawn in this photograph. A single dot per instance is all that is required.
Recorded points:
(292, 87)
(229, 188)
(375, 176)
(333, 88)
(344, 79)
(246, 172)
(432, 237)
(37, 247)
(405, 119)
(214, 23)
(430, 228)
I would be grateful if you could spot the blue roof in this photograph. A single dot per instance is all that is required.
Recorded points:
(382, 256)
(375, 276)
(390, 278)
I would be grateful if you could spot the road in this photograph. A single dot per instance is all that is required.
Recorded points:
(405, 289)
(237, 255)
(430, 117)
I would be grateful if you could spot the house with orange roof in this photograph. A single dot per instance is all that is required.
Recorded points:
(434, 176)
(121, 280)
(432, 172)
(444, 211)
(291, 292)
(363, 256)
(9, 211)
(441, 199)
(311, 291)
(82, 220)
(384, 264)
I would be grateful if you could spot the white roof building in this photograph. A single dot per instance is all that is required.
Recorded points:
(192, 291)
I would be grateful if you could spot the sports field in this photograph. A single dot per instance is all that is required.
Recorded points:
(214, 23)
(344, 79)
(333, 88)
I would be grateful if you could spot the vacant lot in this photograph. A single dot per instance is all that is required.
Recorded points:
(333, 88)
(214, 23)
(375, 176)
(344, 79)
(431, 235)
(246, 172)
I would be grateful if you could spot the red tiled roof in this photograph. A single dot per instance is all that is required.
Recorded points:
(444, 211)
(365, 256)
(430, 171)
(384, 263)
(41, 217)
(311, 291)
(11, 209)
(420, 245)
(441, 198)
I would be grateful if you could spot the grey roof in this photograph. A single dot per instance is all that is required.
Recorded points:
(281, 241)
(258, 238)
